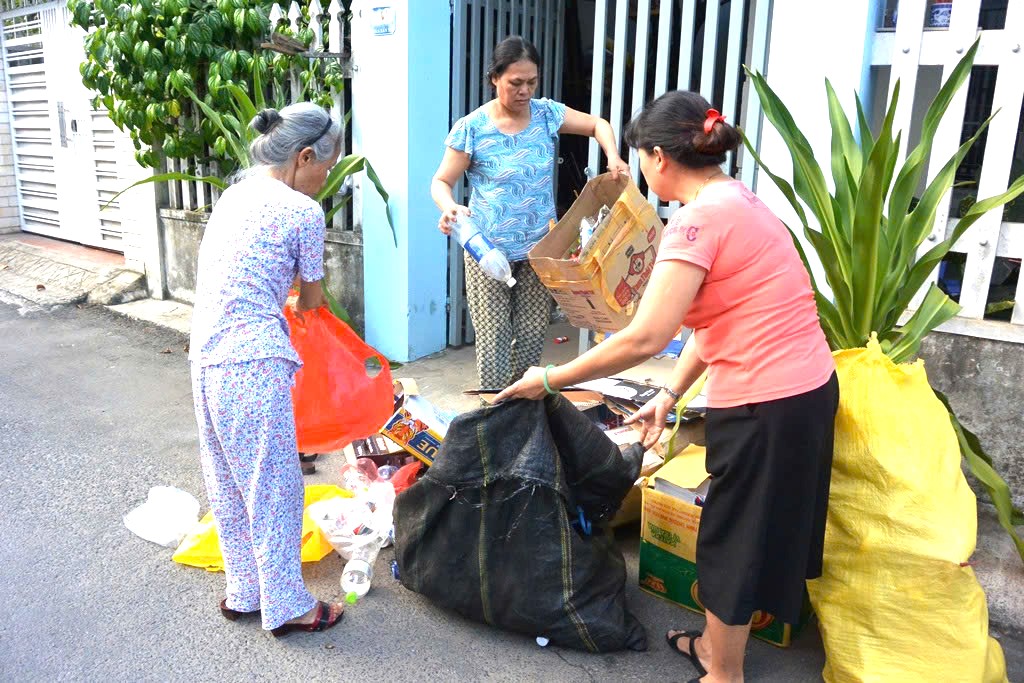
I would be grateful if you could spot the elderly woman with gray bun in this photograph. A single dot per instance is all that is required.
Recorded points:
(265, 231)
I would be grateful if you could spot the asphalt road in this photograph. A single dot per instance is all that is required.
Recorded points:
(95, 410)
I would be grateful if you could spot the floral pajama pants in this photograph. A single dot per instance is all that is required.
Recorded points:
(254, 483)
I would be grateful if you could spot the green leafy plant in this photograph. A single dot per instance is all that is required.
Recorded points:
(141, 54)
(871, 232)
(234, 131)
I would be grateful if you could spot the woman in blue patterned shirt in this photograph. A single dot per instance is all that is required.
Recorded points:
(507, 147)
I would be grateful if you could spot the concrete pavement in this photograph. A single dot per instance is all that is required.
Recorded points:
(93, 413)
(94, 410)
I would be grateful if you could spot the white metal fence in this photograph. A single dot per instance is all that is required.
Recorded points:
(918, 42)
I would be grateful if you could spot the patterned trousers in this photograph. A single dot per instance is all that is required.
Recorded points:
(510, 322)
(254, 483)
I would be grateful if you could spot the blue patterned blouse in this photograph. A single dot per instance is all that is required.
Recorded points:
(511, 175)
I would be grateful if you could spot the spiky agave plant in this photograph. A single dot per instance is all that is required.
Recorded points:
(871, 232)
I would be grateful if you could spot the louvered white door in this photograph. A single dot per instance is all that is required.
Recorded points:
(66, 153)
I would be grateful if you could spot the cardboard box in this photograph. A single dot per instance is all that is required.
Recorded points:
(416, 426)
(380, 449)
(668, 547)
(600, 291)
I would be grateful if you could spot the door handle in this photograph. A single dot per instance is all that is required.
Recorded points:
(62, 125)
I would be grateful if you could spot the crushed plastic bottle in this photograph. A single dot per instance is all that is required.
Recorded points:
(490, 258)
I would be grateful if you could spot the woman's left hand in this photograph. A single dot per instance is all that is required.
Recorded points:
(618, 167)
(531, 386)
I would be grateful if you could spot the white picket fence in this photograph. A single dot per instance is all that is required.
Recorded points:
(196, 196)
(914, 48)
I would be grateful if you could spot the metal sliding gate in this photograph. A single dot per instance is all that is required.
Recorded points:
(643, 48)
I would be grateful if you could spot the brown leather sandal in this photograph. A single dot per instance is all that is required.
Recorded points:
(322, 622)
(233, 614)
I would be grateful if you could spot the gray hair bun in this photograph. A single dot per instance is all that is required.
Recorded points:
(266, 120)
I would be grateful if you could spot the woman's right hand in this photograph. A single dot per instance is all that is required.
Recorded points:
(449, 217)
(652, 417)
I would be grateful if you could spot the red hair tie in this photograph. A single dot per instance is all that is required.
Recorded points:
(713, 116)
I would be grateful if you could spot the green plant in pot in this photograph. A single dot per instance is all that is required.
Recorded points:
(870, 236)
(896, 598)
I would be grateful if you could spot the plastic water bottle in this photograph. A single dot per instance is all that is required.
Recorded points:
(358, 572)
(490, 258)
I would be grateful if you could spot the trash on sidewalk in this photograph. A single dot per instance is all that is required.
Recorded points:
(589, 226)
(600, 289)
(416, 425)
(166, 516)
(335, 398)
(358, 527)
(201, 547)
(673, 498)
(516, 489)
(380, 449)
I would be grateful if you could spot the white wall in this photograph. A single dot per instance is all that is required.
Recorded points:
(810, 41)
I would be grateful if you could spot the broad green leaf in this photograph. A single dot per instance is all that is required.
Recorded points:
(867, 138)
(935, 309)
(921, 220)
(910, 176)
(351, 165)
(983, 469)
(339, 311)
(839, 322)
(372, 175)
(345, 167)
(846, 159)
(163, 177)
(808, 179)
(867, 223)
(246, 109)
(338, 206)
(238, 150)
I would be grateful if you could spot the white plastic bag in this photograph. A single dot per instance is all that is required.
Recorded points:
(348, 523)
(166, 516)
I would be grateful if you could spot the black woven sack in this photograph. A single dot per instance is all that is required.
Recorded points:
(497, 528)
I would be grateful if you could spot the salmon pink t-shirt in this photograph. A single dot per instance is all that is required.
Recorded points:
(754, 317)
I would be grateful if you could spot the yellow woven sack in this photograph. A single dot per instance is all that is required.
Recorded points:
(896, 601)
(201, 547)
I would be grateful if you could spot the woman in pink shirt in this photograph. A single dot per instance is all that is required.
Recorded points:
(728, 269)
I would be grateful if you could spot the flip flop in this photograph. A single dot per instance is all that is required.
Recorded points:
(322, 622)
(692, 654)
(233, 614)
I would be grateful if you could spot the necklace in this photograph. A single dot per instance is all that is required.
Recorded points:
(717, 173)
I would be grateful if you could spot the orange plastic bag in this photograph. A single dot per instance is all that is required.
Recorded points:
(336, 401)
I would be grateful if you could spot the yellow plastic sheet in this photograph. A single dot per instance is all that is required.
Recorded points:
(896, 602)
(201, 547)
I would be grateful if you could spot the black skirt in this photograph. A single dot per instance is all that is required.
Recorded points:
(762, 530)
